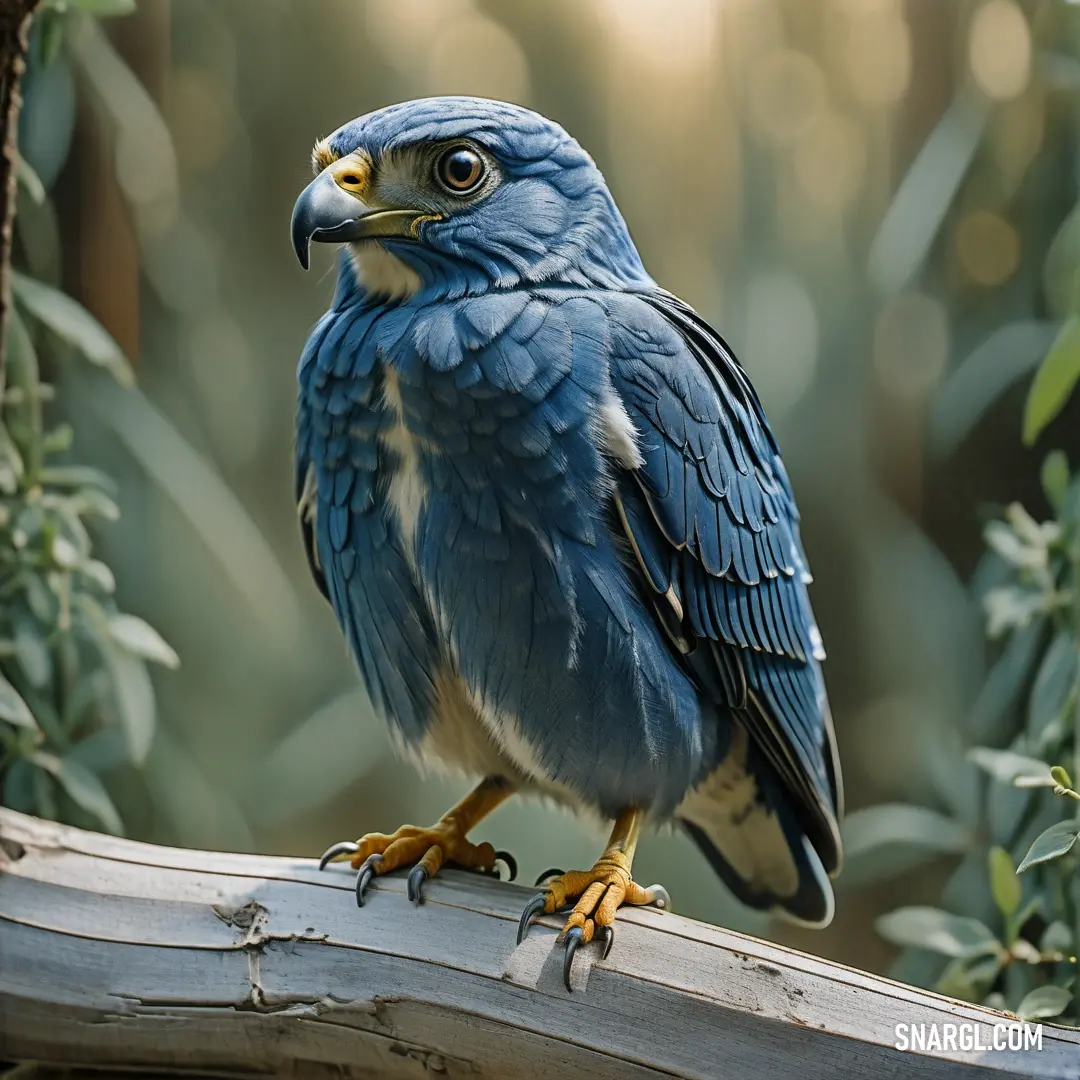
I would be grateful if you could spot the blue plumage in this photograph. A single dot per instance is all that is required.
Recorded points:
(545, 504)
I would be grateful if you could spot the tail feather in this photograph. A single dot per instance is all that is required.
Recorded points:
(743, 819)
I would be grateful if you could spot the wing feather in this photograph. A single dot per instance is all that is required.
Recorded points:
(712, 524)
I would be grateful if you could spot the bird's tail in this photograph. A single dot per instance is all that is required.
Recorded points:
(744, 820)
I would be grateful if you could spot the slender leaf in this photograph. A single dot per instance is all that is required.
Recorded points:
(939, 931)
(1057, 937)
(134, 696)
(29, 181)
(71, 322)
(77, 476)
(923, 197)
(18, 786)
(1054, 475)
(140, 638)
(1056, 841)
(12, 707)
(85, 789)
(1004, 884)
(1043, 1003)
(1054, 683)
(1054, 381)
(899, 823)
(1007, 766)
(202, 496)
(105, 9)
(1009, 354)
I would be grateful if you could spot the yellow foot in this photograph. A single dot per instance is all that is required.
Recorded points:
(379, 853)
(599, 892)
(429, 849)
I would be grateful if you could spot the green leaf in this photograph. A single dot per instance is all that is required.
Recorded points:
(83, 788)
(1043, 1003)
(1004, 884)
(1010, 353)
(52, 32)
(898, 823)
(106, 9)
(24, 420)
(1060, 775)
(32, 652)
(1056, 841)
(938, 931)
(12, 707)
(1057, 937)
(29, 181)
(77, 476)
(1055, 478)
(922, 199)
(134, 696)
(1009, 767)
(1053, 684)
(100, 752)
(18, 787)
(71, 322)
(1054, 381)
(140, 638)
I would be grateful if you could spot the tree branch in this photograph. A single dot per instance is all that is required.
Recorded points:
(119, 954)
(15, 18)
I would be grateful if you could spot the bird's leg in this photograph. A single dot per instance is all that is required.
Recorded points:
(599, 892)
(379, 853)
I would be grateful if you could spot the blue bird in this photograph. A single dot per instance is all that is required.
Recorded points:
(543, 499)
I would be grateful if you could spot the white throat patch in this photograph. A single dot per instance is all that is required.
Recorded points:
(381, 273)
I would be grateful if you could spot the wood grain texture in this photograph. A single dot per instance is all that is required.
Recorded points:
(128, 955)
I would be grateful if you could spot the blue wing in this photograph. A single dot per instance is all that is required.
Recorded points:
(352, 545)
(713, 526)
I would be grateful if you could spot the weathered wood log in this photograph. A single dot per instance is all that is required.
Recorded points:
(125, 955)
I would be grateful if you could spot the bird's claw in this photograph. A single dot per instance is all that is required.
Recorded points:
(553, 872)
(533, 910)
(575, 936)
(415, 885)
(336, 851)
(573, 939)
(368, 869)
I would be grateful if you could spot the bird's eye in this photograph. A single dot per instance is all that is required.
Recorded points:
(460, 170)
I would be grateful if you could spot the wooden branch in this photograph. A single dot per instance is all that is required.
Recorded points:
(14, 27)
(119, 954)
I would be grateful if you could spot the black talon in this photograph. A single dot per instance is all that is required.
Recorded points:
(606, 934)
(415, 885)
(345, 847)
(573, 943)
(553, 872)
(364, 876)
(510, 861)
(533, 909)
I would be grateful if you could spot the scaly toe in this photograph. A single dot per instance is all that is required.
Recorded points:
(660, 897)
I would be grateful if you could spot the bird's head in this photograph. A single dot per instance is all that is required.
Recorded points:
(461, 195)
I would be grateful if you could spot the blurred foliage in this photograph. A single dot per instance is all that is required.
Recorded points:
(75, 697)
(1007, 933)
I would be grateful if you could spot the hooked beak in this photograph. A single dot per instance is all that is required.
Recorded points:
(329, 214)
